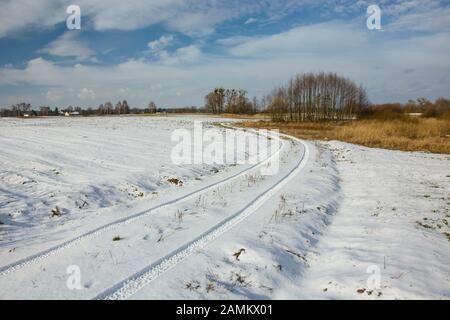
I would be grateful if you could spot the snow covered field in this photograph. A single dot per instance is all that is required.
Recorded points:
(128, 229)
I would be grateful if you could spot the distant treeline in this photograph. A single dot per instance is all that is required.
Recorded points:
(420, 107)
(308, 97)
(304, 98)
(316, 97)
(120, 108)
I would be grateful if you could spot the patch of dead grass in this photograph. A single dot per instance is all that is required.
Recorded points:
(407, 134)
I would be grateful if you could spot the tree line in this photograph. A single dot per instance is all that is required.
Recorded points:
(316, 97)
(440, 108)
(120, 108)
(305, 97)
(221, 100)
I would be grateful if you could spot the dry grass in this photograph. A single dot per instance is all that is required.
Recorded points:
(407, 134)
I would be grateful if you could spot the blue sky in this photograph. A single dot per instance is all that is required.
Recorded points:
(174, 51)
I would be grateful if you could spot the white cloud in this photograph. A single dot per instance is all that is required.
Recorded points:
(200, 17)
(434, 20)
(68, 45)
(233, 41)
(185, 55)
(18, 15)
(86, 94)
(312, 38)
(161, 43)
(343, 48)
(192, 17)
(189, 53)
(250, 21)
(53, 96)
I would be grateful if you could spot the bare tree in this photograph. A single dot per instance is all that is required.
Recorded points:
(125, 107)
(215, 101)
(119, 108)
(152, 107)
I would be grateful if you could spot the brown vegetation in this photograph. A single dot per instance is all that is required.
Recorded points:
(329, 107)
(404, 133)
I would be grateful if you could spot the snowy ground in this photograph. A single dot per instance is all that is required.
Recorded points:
(393, 219)
(312, 230)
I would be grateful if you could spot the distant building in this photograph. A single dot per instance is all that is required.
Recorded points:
(71, 114)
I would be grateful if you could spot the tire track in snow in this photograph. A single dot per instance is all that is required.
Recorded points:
(33, 259)
(138, 281)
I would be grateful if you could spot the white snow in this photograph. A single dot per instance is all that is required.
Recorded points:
(394, 215)
(311, 231)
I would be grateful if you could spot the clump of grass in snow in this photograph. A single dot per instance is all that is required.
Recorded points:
(424, 225)
(283, 211)
(179, 216)
(238, 254)
(448, 235)
(201, 202)
(194, 285)
(239, 279)
(210, 287)
(175, 181)
(252, 179)
(56, 212)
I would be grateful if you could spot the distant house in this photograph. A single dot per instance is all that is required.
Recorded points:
(71, 114)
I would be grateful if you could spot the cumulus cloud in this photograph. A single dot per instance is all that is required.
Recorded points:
(161, 43)
(68, 45)
(185, 55)
(53, 96)
(378, 60)
(356, 54)
(19, 15)
(86, 94)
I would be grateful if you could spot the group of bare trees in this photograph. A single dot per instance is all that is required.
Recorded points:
(124, 108)
(17, 110)
(316, 97)
(108, 108)
(222, 100)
